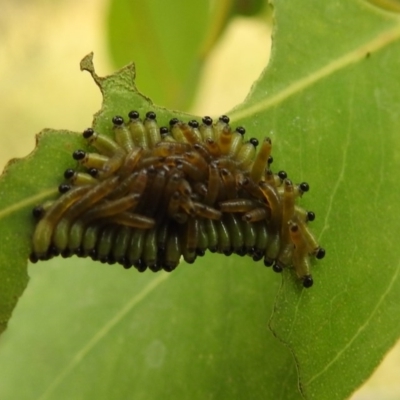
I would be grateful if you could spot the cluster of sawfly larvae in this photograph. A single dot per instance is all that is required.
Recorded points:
(155, 194)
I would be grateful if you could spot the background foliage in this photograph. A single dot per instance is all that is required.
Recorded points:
(329, 99)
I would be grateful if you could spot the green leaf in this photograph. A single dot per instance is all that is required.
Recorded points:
(330, 98)
(95, 331)
(199, 331)
(330, 101)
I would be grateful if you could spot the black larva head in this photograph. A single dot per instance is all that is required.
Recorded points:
(89, 132)
(304, 187)
(228, 252)
(282, 175)
(270, 160)
(164, 131)
(33, 258)
(173, 121)
(69, 173)
(310, 216)
(133, 115)
(118, 120)
(53, 251)
(93, 172)
(224, 118)
(78, 155)
(254, 142)
(241, 130)
(207, 120)
(193, 123)
(151, 115)
(320, 253)
(63, 188)
(308, 281)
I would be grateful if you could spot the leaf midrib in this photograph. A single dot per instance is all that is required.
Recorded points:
(384, 39)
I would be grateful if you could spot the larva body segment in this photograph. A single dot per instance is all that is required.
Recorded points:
(206, 129)
(45, 227)
(153, 195)
(121, 244)
(79, 178)
(122, 134)
(152, 130)
(173, 251)
(103, 144)
(261, 161)
(90, 160)
(137, 130)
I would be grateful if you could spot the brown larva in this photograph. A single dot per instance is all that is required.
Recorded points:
(155, 194)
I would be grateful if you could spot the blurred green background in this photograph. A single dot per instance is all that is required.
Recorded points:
(42, 42)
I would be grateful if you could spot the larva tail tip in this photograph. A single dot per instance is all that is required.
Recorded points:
(268, 262)
(54, 251)
(33, 258)
(241, 251)
(151, 115)
(282, 175)
(257, 255)
(277, 268)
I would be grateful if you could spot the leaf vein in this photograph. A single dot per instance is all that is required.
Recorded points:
(100, 334)
(377, 43)
(360, 329)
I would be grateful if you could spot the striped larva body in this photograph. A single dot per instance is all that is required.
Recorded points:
(151, 195)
